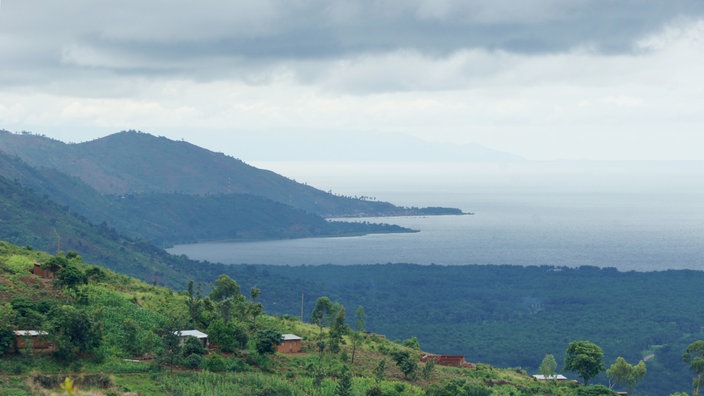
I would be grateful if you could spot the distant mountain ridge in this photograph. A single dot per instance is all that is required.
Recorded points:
(134, 162)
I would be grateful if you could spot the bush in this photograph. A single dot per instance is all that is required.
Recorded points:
(98, 380)
(214, 363)
(192, 345)
(595, 390)
(193, 360)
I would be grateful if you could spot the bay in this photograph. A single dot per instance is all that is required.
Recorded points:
(642, 217)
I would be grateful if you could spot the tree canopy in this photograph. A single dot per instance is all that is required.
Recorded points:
(584, 358)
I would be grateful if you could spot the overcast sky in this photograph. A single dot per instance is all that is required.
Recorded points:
(543, 79)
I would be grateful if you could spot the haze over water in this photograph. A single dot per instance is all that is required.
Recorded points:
(641, 216)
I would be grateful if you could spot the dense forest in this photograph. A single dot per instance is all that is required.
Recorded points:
(510, 316)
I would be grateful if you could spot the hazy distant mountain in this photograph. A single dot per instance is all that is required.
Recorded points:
(135, 162)
(362, 146)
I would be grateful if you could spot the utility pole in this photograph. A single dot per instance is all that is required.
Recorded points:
(301, 306)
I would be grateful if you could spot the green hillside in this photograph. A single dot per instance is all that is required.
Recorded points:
(135, 162)
(169, 218)
(101, 333)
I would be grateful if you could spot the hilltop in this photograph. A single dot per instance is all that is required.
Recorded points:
(123, 341)
(133, 162)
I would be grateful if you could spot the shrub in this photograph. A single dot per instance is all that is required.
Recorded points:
(214, 363)
(193, 360)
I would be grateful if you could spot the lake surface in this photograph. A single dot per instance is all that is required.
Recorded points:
(632, 216)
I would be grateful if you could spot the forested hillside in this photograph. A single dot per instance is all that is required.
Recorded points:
(80, 329)
(165, 219)
(512, 316)
(135, 162)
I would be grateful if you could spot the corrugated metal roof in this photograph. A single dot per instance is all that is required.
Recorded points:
(290, 337)
(30, 333)
(191, 333)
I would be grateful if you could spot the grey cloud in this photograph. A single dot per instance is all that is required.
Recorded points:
(216, 39)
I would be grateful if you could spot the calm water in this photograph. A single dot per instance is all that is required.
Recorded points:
(646, 218)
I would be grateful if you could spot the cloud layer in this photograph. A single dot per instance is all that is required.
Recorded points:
(543, 79)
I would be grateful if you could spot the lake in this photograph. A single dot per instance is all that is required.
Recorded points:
(639, 216)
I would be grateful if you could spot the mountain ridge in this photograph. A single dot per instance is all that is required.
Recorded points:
(132, 162)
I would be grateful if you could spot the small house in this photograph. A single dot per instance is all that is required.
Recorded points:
(32, 339)
(42, 272)
(183, 334)
(290, 343)
(447, 360)
(556, 377)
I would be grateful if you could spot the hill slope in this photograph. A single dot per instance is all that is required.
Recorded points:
(166, 219)
(135, 162)
(114, 335)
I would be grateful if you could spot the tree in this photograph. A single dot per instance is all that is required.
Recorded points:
(192, 346)
(7, 336)
(337, 330)
(228, 336)
(585, 359)
(71, 277)
(75, 332)
(171, 343)
(623, 373)
(360, 320)
(380, 371)
(255, 308)
(267, 340)
(344, 387)
(321, 311)
(694, 355)
(55, 263)
(412, 343)
(225, 288)
(548, 368)
(428, 369)
(406, 363)
(194, 302)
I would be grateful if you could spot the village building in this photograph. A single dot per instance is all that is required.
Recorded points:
(42, 272)
(183, 334)
(290, 343)
(447, 360)
(556, 377)
(32, 339)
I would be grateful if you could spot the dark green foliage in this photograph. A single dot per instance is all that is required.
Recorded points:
(344, 385)
(428, 369)
(266, 340)
(374, 391)
(74, 331)
(56, 263)
(215, 363)
(71, 277)
(694, 356)
(595, 390)
(228, 336)
(412, 343)
(7, 338)
(337, 330)
(508, 316)
(224, 289)
(380, 371)
(193, 360)
(457, 387)
(193, 346)
(407, 363)
(584, 358)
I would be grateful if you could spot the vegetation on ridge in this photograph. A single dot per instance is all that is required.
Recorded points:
(123, 340)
